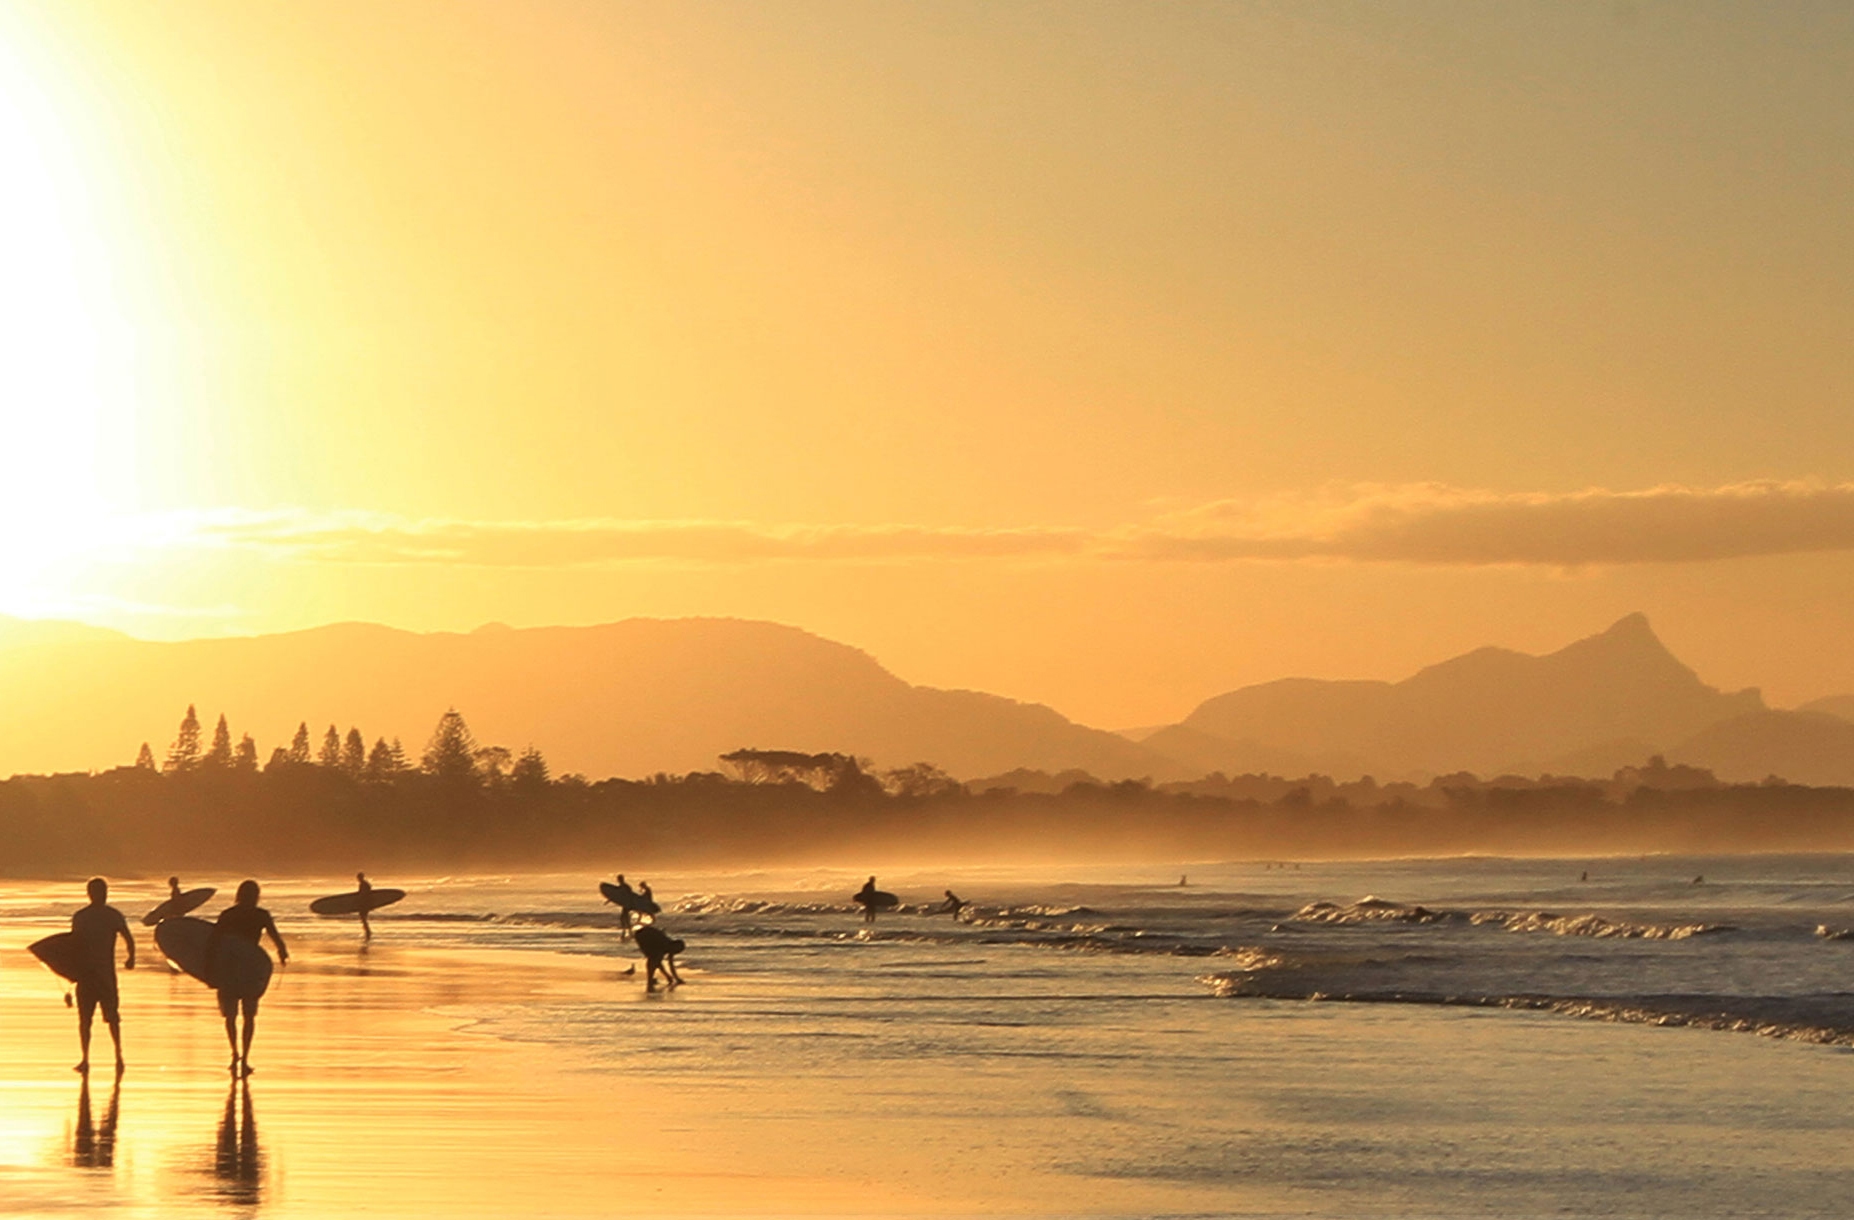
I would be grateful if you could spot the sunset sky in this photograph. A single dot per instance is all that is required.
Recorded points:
(1105, 355)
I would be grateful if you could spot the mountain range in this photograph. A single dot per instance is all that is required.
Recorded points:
(645, 695)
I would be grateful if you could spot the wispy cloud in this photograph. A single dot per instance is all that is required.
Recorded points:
(1417, 524)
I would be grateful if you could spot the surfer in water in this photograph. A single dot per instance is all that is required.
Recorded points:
(366, 888)
(97, 926)
(953, 905)
(627, 903)
(249, 921)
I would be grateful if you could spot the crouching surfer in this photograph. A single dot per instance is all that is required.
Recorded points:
(659, 949)
(246, 920)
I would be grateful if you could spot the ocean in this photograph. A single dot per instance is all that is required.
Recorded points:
(1469, 1037)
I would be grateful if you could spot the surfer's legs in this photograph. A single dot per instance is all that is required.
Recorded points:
(366, 928)
(228, 1008)
(249, 1004)
(112, 1017)
(86, 1012)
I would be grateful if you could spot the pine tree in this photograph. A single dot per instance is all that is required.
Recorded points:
(330, 754)
(299, 744)
(530, 771)
(451, 752)
(145, 760)
(184, 754)
(279, 759)
(220, 756)
(244, 758)
(380, 762)
(354, 753)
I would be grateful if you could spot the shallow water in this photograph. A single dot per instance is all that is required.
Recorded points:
(1082, 1042)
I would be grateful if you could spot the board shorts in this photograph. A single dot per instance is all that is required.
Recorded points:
(228, 1004)
(91, 996)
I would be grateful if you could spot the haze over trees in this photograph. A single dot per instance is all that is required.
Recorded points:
(464, 803)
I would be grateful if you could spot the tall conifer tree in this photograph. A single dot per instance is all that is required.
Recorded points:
(184, 754)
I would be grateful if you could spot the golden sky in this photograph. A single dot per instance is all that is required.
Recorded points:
(1107, 355)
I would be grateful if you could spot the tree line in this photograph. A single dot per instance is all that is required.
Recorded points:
(452, 754)
(462, 804)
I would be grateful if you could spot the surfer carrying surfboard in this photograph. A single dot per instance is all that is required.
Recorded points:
(97, 926)
(247, 921)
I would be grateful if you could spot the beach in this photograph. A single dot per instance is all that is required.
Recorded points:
(1075, 1049)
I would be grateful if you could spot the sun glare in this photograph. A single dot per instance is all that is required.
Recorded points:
(63, 341)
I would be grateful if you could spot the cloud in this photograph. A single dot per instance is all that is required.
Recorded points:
(1432, 524)
(1413, 524)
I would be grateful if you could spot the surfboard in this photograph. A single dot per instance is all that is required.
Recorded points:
(64, 955)
(180, 904)
(877, 900)
(243, 968)
(630, 900)
(354, 902)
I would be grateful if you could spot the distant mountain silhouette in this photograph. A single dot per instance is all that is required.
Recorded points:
(1834, 705)
(1803, 747)
(629, 698)
(1613, 696)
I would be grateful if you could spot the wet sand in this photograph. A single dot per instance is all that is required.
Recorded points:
(511, 1067)
(374, 1090)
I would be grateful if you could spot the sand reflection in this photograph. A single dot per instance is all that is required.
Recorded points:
(236, 1165)
(93, 1146)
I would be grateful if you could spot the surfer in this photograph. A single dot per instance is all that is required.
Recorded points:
(627, 903)
(954, 904)
(366, 889)
(660, 950)
(97, 926)
(646, 902)
(248, 921)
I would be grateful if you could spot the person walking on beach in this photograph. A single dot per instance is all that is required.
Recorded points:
(627, 904)
(366, 897)
(246, 920)
(97, 926)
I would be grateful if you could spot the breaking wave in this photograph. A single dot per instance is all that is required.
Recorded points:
(1374, 910)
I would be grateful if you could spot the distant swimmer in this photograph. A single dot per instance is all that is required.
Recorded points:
(96, 927)
(1584, 876)
(953, 905)
(659, 949)
(1181, 879)
(1700, 880)
(246, 921)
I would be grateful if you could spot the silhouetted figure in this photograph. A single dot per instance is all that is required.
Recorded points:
(627, 902)
(1181, 879)
(1584, 876)
(366, 895)
(237, 1162)
(97, 926)
(646, 901)
(94, 1147)
(659, 949)
(953, 905)
(177, 903)
(246, 920)
(872, 900)
(1700, 880)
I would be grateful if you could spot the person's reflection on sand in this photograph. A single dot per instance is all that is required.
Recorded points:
(237, 1162)
(94, 1147)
